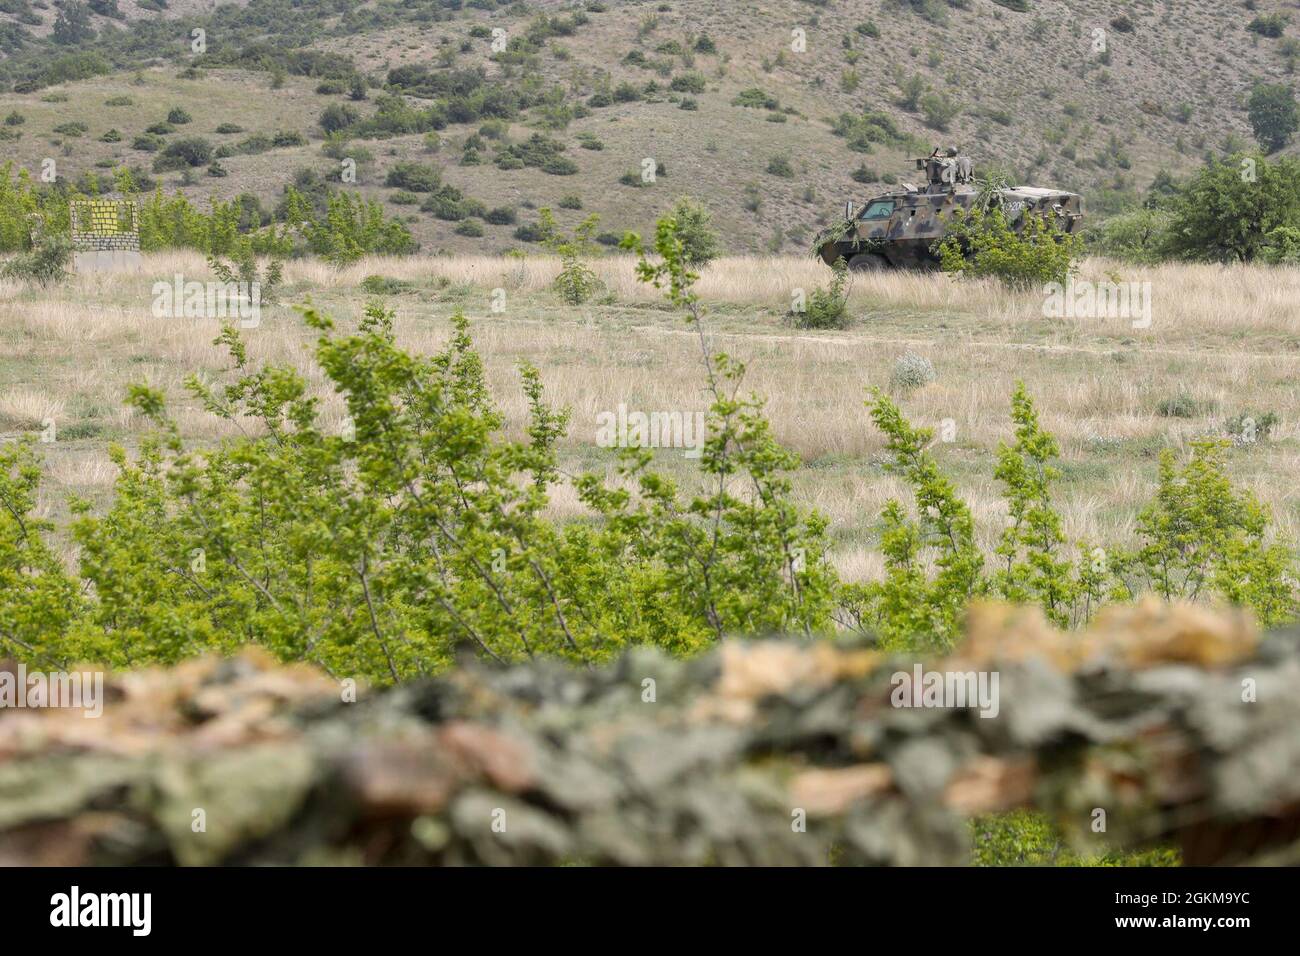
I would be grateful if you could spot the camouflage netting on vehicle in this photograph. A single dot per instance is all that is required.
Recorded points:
(1148, 715)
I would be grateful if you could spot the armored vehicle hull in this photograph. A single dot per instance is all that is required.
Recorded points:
(897, 230)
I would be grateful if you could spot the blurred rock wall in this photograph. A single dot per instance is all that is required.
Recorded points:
(1174, 723)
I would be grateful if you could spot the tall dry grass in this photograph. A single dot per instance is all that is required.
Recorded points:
(1227, 338)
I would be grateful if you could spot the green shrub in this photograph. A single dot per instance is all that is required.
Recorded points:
(1270, 25)
(980, 243)
(826, 308)
(1249, 428)
(1140, 236)
(178, 116)
(862, 132)
(184, 153)
(780, 166)
(448, 203)
(755, 98)
(350, 228)
(1282, 246)
(415, 177)
(940, 110)
(47, 261)
(530, 232)
(576, 282)
(421, 512)
(690, 82)
(469, 227)
(385, 285)
(1199, 534)
(560, 166)
(539, 150)
(338, 117)
(1180, 406)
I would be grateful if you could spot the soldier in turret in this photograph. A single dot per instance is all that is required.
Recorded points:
(961, 166)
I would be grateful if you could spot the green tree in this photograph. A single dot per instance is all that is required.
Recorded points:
(909, 609)
(1200, 535)
(1274, 115)
(1229, 208)
(699, 241)
(1031, 566)
(38, 600)
(72, 25)
(577, 281)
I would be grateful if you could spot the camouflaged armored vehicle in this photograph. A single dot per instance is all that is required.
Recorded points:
(898, 229)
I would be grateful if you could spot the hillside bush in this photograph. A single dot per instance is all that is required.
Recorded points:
(183, 153)
(414, 177)
(1269, 25)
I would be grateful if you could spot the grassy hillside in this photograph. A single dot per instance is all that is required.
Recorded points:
(1022, 90)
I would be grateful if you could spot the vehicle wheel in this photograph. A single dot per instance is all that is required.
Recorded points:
(868, 262)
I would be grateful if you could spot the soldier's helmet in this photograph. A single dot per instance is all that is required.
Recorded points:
(952, 151)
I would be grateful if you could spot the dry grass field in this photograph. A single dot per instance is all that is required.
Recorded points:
(1222, 342)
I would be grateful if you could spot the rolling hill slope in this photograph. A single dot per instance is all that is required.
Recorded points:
(772, 113)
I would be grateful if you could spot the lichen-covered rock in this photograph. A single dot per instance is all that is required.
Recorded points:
(1174, 723)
